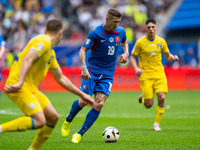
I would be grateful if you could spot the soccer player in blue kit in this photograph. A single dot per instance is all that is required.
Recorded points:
(101, 45)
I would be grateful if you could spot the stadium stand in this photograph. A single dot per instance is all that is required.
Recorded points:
(178, 20)
(21, 20)
(187, 16)
(184, 25)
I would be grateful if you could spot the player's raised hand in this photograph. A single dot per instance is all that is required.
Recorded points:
(139, 72)
(123, 58)
(85, 73)
(12, 88)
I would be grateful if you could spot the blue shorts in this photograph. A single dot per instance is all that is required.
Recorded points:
(98, 82)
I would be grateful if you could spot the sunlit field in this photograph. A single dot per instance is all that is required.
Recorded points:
(180, 124)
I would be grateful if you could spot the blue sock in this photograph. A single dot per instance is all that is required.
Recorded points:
(90, 119)
(74, 111)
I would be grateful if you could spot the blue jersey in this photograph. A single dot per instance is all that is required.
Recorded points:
(2, 41)
(103, 49)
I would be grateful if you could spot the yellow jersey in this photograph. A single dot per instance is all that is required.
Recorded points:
(149, 54)
(41, 44)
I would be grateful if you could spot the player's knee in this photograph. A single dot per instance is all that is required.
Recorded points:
(54, 118)
(148, 103)
(39, 119)
(99, 106)
(162, 97)
(40, 122)
(148, 106)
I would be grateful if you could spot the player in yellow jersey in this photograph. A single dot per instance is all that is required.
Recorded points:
(151, 71)
(27, 72)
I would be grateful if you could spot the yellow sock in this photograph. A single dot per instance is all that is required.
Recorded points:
(19, 124)
(143, 100)
(159, 114)
(42, 135)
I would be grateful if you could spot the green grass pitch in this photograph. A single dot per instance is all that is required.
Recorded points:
(180, 124)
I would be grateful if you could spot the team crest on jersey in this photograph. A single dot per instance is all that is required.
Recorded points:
(87, 41)
(40, 46)
(111, 39)
(84, 87)
(117, 38)
(152, 45)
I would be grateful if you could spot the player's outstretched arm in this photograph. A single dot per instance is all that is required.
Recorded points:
(26, 65)
(82, 56)
(67, 84)
(124, 57)
(171, 57)
(138, 71)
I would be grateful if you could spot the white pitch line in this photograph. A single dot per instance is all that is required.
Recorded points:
(136, 116)
(10, 112)
(189, 115)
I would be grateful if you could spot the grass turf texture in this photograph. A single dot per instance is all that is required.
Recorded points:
(180, 125)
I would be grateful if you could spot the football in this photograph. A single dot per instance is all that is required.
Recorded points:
(110, 135)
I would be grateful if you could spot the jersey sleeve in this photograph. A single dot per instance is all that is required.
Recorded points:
(40, 46)
(89, 42)
(124, 36)
(2, 41)
(165, 48)
(136, 49)
(54, 62)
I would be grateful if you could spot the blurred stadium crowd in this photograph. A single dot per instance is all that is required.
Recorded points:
(84, 15)
(20, 20)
